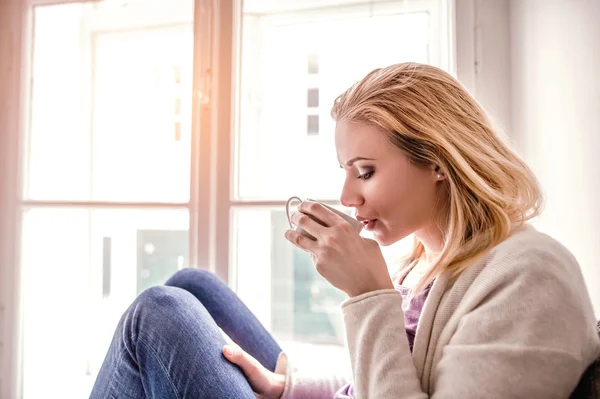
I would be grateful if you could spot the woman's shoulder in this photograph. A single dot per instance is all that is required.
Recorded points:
(528, 264)
(533, 268)
(531, 252)
(532, 276)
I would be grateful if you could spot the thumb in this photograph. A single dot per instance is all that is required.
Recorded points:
(232, 353)
(238, 356)
(262, 381)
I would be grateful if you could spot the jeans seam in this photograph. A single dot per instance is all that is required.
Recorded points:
(111, 386)
(162, 365)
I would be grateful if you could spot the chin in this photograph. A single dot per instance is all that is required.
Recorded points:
(387, 239)
(383, 239)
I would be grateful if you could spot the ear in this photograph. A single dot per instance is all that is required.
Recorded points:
(439, 173)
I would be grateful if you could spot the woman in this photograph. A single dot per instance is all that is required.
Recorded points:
(483, 306)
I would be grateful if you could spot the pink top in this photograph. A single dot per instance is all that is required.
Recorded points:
(412, 310)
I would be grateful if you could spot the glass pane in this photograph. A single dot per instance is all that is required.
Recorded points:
(279, 282)
(81, 269)
(286, 136)
(111, 102)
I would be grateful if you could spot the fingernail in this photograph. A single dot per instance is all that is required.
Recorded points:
(228, 349)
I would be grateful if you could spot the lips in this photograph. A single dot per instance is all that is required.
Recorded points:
(368, 223)
(362, 219)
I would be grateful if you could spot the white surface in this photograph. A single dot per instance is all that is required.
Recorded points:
(556, 118)
(534, 65)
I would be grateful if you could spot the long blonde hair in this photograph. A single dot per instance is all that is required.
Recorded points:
(434, 120)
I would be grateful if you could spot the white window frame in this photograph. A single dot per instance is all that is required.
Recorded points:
(17, 78)
(12, 90)
(440, 37)
(215, 109)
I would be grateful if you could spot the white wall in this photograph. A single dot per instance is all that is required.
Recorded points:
(534, 65)
(556, 116)
(483, 55)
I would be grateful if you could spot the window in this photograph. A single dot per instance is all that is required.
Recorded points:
(156, 142)
(106, 190)
(294, 64)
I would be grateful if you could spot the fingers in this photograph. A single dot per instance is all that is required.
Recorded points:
(308, 223)
(249, 365)
(314, 218)
(262, 381)
(301, 241)
(320, 212)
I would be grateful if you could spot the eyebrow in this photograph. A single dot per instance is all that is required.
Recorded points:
(350, 162)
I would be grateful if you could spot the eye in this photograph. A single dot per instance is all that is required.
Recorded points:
(367, 175)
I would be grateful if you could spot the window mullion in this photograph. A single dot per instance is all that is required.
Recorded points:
(274, 203)
(14, 18)
(200, 188)
(211, 140)
(224, 37)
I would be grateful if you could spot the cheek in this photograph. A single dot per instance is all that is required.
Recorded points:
(407, 199)
(391, 197)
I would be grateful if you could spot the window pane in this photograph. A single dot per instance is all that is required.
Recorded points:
(111, 102)
(313, 64)
(286, 135)
(313, 98)
(81, 269)
(279, 282)
(312, 125)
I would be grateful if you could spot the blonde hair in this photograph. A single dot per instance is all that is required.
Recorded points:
(433, 119)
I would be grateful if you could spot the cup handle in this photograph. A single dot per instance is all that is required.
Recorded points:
(287, 209)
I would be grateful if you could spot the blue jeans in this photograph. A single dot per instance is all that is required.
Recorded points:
(168, 345)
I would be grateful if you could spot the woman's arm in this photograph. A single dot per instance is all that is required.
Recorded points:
(529, 332)
(382, 364)
(307, 385)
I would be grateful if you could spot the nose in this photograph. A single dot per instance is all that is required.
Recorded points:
(351, 197)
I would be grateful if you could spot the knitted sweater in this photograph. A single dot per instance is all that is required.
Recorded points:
(518, 323)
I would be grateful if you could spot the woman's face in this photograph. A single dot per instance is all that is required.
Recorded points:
(392, 197)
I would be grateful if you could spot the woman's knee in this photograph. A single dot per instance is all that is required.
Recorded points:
(163, 297)
(153, 306)
(162, 311)
(192, 277)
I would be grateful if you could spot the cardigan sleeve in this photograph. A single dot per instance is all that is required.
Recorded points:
(304, 384)
(526, 330)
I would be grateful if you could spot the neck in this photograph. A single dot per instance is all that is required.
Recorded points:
(432, 238)
(431, 235)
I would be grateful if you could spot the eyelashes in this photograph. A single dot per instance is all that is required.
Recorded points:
(367, 175)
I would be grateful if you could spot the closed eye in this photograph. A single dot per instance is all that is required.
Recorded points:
(366, 176)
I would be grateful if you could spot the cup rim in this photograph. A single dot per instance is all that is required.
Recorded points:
(357, 225)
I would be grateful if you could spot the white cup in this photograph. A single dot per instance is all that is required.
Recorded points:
(356, 225)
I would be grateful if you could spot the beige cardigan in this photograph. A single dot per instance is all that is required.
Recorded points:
(517, 324)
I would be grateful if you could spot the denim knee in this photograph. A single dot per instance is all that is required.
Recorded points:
(150, 307)
(191, 276)
(160, 296)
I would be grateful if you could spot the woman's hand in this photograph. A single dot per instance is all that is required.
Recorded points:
(348, 261)
(264, 382)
